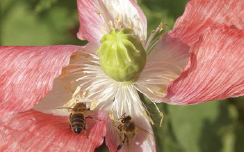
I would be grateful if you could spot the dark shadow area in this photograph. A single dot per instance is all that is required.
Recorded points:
(61, 18)
(165, 136)
(102, 148)
(175, 8)
(166, 140)
(212, 132)
(239, 128)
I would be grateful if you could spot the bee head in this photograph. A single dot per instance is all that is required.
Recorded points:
(125, 119)
(80, 106)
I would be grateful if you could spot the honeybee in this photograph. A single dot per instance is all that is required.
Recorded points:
(128, 129)
(77, 118)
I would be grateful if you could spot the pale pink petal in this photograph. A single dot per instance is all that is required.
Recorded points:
(200, 14)
(27, 74)
(144, 139)
(128, 101)
(164, 64)
(95, 18)
(90, 21)
(35, 131)
(215, 69)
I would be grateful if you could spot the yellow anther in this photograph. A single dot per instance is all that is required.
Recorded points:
(93, 104)
(87, 93)
(110, 24)
(128, 23)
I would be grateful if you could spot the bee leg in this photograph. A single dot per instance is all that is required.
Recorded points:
(84, 128)
(86, 133)
(69, 117)
(120, 127)
(122, 143)
(94, 118)
(123, 115)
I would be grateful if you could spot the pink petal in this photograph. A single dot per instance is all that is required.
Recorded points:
(27, 74)
(215, 69)
(171, 53)
(90, 21)
(164, 64)
(32, 131)
(95, 15)
(200, 14)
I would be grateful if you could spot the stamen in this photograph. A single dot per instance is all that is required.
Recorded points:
(105, 29)
(152, 45)
(73, 100)
(160, 113)
(99, 13)
(118, 21)
(86, 93)
(153, 33)
(93, 104)
(111, 114)
(128, 23)
(149, 118)
(135, 29)
(147, 114)
(110, 24)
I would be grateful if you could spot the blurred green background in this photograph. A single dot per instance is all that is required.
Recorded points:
(216, 126)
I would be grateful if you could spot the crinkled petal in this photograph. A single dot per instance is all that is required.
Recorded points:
(97, 17)
(35, 131)
(128, 101)
(215, 69)
(164, 64)
(200, 14)
(84, 72)
(27, 74)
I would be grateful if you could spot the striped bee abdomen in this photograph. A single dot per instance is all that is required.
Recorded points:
(77, 122)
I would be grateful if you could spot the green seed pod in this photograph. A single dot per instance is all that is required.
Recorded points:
(122, 56)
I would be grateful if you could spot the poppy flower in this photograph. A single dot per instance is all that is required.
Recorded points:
(200, 60)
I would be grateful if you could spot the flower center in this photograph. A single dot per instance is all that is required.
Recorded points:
(122, 56)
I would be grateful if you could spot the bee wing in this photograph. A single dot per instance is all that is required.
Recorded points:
(65, 108)
(87, 112)
(139, 129)
(141, 136)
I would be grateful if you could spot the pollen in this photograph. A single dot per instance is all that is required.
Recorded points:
(87, 92)
(162, 89)
(77, 96)
(128, 23)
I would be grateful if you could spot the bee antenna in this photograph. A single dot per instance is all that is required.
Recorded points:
(123, 114)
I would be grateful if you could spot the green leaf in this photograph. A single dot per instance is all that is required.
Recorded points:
(44, 4)
(23, 26)
(203, 127)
